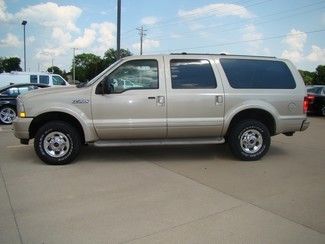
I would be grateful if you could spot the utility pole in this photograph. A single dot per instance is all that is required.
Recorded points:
(24, 24)
(74, 66)
(118, 36)
(142, 35)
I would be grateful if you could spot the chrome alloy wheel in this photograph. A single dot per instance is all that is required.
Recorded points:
(251, 141)
(7, 115)
(56, 144)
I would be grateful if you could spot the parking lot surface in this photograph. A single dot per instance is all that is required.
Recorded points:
(192, 194)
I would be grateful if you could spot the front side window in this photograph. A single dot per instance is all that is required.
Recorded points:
(192, 74)
(33, 78)
(58, 81)
(257, 74)
(135, 74)
(44, 79)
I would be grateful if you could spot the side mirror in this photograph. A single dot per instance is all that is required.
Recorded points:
(103, 89)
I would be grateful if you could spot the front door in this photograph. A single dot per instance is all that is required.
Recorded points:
(135, 107)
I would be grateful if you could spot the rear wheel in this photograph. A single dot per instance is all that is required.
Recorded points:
(57, 143)
(249, 140)
(7, 115)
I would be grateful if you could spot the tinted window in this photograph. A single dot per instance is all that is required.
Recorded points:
(192, 74)
(58, 81)
(44, 79)
(15, 91)
(258, 74)
(135, 74)
(316, 90)
(12, 91)
(33, 79)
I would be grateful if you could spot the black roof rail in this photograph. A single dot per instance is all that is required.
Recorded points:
(223, 54)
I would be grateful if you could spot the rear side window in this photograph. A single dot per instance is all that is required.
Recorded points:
(44, 79)
(192, 74)
(258, 74)
(33, 79)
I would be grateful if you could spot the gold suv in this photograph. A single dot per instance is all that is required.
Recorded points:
(168, 100)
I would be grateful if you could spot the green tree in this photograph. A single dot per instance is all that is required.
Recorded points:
(320, 75)
(10, 64)
(110, 56)
(55, 70)
(88, 65)
(308, 77)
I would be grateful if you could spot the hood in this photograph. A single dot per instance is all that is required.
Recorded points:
(64, 90)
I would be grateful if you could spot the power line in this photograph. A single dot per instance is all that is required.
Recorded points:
(216, 11)
(177, 19)
(244, 41)
(258, 23)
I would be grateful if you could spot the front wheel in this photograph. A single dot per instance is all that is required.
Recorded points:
(57, 143)
(7, 115)
(249, 140)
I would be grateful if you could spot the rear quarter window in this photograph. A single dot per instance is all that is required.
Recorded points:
(257, 74)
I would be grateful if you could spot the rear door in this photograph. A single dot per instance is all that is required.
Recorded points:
(195, 97)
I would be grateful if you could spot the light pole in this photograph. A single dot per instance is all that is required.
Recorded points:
(118, 34)
(24, 24)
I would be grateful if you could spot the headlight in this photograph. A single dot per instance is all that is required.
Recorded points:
(20, 108)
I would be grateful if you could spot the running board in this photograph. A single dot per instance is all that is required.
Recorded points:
(154, 142)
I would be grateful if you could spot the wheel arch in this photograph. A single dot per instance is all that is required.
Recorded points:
(43, 118)
(259, 114)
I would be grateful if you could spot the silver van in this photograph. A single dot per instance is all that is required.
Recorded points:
(16, 77)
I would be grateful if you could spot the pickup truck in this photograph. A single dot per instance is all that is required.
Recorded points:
(170, 100)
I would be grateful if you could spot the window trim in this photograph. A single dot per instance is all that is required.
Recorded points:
(192, 59)
(258, 88)
(137, 88)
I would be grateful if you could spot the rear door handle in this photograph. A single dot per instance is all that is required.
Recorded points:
(152, 98)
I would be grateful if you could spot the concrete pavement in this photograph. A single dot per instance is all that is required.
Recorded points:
(193, 194)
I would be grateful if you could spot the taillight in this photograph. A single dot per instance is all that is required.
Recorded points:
(306, 103)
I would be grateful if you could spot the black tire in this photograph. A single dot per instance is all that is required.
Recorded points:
(7, 114)
(63, 133)
(239, 140)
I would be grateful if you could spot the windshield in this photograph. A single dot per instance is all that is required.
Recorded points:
(100, 75)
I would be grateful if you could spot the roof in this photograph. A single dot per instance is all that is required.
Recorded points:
(222, 54)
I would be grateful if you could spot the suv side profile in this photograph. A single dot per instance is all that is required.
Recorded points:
(169, 100)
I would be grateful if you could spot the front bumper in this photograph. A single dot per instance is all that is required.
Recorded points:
(21, 127)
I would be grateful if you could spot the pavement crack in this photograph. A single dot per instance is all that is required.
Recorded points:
(11, 207)
(182, 224)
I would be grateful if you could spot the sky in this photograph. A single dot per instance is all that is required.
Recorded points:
(292, 29)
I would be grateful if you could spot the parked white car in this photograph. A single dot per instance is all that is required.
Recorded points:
(16, 77)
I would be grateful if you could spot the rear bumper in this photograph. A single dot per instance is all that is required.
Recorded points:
(21, 127)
